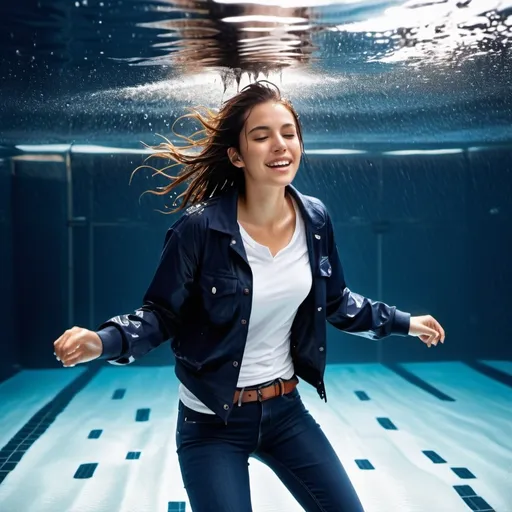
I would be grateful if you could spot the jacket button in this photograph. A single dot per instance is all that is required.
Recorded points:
(321, 349)
(226, 407)
(233, 242)
(235, 363)
(214, 290)
(246, 291)
(244, 321)
(320, 308)
(318, 237)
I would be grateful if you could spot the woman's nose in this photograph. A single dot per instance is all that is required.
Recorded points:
(279, 144)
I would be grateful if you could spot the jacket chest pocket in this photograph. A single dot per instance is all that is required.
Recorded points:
(219, 296)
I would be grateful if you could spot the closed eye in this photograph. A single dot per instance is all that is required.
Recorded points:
(287, 136)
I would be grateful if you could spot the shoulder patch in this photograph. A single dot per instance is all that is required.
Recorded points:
(196, 208)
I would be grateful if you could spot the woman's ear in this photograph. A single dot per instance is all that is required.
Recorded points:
(235, 158)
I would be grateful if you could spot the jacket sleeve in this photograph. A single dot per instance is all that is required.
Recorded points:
(355, 314)
(130, 336)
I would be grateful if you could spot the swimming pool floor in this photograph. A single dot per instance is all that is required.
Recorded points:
(414, 437)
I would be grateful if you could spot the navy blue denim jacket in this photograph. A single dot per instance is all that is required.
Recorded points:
(200, 298)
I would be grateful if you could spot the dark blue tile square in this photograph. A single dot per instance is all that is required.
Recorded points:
(86, 470)
(364, 464)
(362, 396)
(133, 455)
(118, 394)
(387, 423)
(463, 473)
(478, 504)
(8, 466)
(95, 434)
(142, 415)
(434, 457)
(464, 490)
(470, 504)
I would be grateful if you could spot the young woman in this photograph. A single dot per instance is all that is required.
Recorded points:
(248, 276)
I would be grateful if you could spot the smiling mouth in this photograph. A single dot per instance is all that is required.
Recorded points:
(280, 164)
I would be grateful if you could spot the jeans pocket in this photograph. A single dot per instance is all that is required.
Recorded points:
(193, 425)
(191, 417)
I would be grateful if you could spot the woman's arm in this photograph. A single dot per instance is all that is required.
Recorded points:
(130, 336)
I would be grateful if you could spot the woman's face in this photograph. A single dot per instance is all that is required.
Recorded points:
(270, 148)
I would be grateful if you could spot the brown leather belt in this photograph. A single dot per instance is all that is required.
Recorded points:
(262, 393)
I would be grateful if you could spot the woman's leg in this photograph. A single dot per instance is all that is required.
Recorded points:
(297, 450)
(213, 462)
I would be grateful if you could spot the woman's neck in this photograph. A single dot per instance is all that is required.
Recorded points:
(263, 206)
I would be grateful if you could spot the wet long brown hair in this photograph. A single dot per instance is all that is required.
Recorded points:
(210, 172)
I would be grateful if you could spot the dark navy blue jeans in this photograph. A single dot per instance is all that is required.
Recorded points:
(281, 433)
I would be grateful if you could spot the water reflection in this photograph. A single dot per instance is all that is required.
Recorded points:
(103, 69)
(248, 38)
(253, 35)
(261, 37)
(440, 31)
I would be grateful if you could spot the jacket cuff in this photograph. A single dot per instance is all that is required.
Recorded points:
(112, 342)
(401, 323)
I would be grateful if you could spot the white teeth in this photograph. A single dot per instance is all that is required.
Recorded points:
(284, 162)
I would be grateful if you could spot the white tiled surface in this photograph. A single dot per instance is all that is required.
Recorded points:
(474, 432)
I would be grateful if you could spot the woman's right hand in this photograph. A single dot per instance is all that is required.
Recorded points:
(78, 345)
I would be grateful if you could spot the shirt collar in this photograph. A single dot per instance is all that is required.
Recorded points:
(225, 214)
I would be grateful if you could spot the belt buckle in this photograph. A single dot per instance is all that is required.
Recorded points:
(281, 386)
(240, 397)
(260, 396)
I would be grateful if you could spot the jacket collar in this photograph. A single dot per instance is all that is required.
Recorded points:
(225, 211)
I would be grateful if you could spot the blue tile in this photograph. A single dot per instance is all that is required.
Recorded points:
(463, 473)
(3, 475)
(118, 394)
(95, 434)
(482, 504)
(362, 396)
(387, 423)
(86, 470)
(16, 456)
(465, 491)
(133, 455)
(39, 423)
(434, 457)
(142, 415)
(364, 464)
(478, 504)
(176, 506)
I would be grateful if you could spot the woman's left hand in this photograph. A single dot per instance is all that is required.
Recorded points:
(427, 328)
